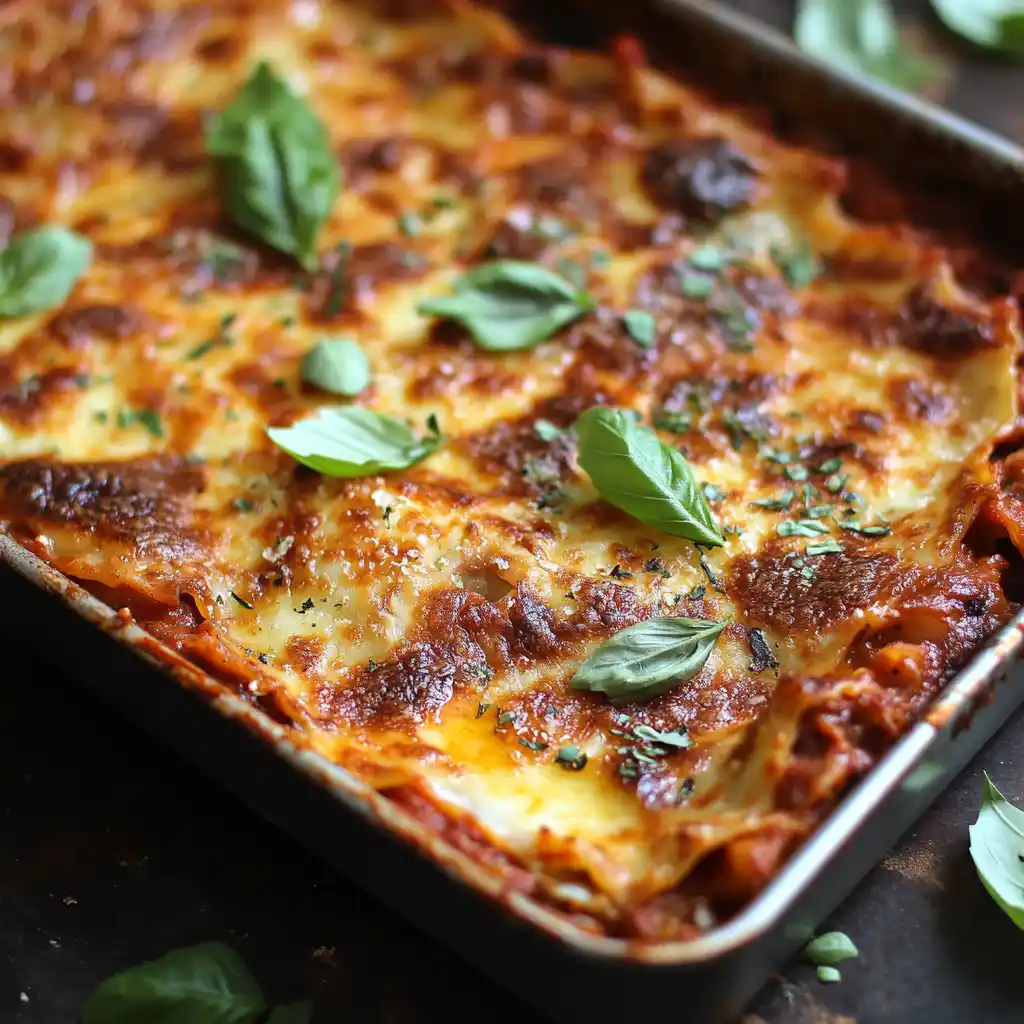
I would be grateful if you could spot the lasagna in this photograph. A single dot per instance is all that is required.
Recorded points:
(842, 400)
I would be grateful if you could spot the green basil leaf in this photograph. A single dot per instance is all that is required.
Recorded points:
(39, 268)
(204, 984)
(648, 659)
(641, 327)
(336, 365)
(634, 470)
(351, 441)
(277, 175)
(294, 1013)
(830, 949)
(997, 846)
(861, 36)
(994, 24)
(510, 304)
(829, 976)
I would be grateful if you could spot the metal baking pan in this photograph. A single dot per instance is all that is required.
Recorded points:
(418, 873)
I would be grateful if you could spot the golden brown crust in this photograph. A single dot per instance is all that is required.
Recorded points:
(421, 628)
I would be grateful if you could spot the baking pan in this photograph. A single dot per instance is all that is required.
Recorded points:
(567, 974)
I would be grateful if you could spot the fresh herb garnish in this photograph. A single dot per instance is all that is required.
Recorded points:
(410, 224)
(649, 658)
(876, 530)
(830, 949)
(829, 975)
(148, 418)
(204, 984)
(678, 739)
(801, 528)
(511, 304)
(336, 365)
(993, 24)
(39, 268)
(672, 422)
(997, 848)
(571, 758)
(861, 36)
(350, 441)
(707, 257)
(799, 264)
(277, 174)
(634, 470)
(536, 745)
(696, 286)
(547, 431)
(761, 652)
(641, 327)
(824, 547)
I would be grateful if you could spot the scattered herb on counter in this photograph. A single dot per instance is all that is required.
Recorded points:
(204, 984)
(993, 24)
(830, 949)
(350, 441)
(648, 658)
(997, 849)
(39, 269)
(634, 470)
(277, 174)
(571, 758)
(336, 365)
(641, 327)
(511, 305)
(862, 36)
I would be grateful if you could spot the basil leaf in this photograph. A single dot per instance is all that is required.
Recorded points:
(861, 36)
(336, 365)
(294, 1013)
(648, 659)
(511, 305)
(351, 441)
(634, 470)
(204, 984)
(39, 268)
(997, 846)
(277, 175)
(830, 949)
(994, 24)
(641, 327)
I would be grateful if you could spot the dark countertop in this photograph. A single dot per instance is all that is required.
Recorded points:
(112, 851)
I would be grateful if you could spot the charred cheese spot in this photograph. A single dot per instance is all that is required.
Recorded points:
(845, 396)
